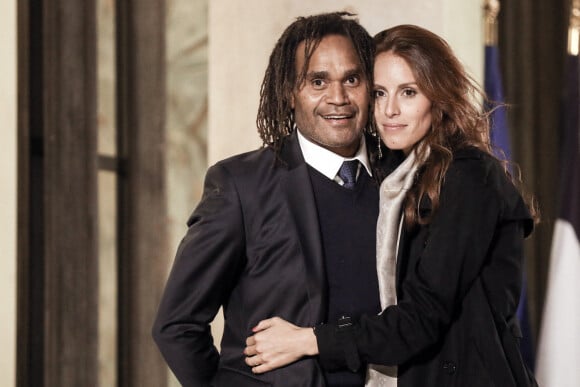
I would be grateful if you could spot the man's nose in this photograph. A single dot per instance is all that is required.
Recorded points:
(337, 94)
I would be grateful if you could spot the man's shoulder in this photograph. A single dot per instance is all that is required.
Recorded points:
(287, 155)
(254, 166)
(247, 159)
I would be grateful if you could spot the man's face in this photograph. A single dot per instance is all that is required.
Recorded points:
(331, 105)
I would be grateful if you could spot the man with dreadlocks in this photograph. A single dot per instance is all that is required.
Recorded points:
(287, 230)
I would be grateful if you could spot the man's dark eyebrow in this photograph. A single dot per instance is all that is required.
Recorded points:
(324, 74)
(354, 72)
(317, 75)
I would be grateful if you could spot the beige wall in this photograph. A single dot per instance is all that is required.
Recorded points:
(8, 192)
(242, 34)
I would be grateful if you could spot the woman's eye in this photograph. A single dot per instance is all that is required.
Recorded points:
(409, 92)
(379, 93)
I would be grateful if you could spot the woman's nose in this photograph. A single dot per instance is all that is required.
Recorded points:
(391, 107)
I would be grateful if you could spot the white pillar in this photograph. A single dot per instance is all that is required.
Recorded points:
(8, 165)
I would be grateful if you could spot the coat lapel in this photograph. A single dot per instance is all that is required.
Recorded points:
(299, 194)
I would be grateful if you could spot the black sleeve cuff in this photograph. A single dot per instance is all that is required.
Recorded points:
(336, 346)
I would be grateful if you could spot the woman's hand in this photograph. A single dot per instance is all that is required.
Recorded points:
(277, 343)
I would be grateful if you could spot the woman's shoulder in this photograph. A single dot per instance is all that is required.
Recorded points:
(475, 166)
(481, 176)
(477, 175)
(475, 155)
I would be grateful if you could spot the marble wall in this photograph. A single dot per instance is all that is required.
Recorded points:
(186, 130)
(187, 109)
(187, 113)
(106, 196)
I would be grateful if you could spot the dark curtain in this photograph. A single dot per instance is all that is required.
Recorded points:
(532, 41)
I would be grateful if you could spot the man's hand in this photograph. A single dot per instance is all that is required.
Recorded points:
(277, 343)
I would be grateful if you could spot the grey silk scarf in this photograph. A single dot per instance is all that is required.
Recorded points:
(393, 190)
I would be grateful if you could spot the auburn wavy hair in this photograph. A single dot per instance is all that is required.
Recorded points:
(458, 109)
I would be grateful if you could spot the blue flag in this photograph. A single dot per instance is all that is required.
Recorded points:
(501, 141)
(500, 138)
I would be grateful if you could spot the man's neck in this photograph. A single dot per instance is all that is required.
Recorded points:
(327, 162)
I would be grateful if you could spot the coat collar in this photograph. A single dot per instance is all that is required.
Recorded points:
(290, 153)
(299, 193)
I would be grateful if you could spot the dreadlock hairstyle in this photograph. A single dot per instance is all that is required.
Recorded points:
(275, 119)
(459, 117)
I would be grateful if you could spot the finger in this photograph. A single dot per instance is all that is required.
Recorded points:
(251, 340)
(264, 324)
(253, 361)
(262, 368)
(250, 350)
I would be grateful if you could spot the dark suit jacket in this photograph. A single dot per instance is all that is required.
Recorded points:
(253, 246)
(458, 285)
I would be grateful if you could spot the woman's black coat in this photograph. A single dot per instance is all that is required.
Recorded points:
(458, 286)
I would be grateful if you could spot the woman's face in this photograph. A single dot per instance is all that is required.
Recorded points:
(402, 111)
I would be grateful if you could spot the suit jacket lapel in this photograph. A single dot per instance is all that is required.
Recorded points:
(298, 191)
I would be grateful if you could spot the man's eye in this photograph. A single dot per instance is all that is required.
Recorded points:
(353, 80)
(318, 82)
